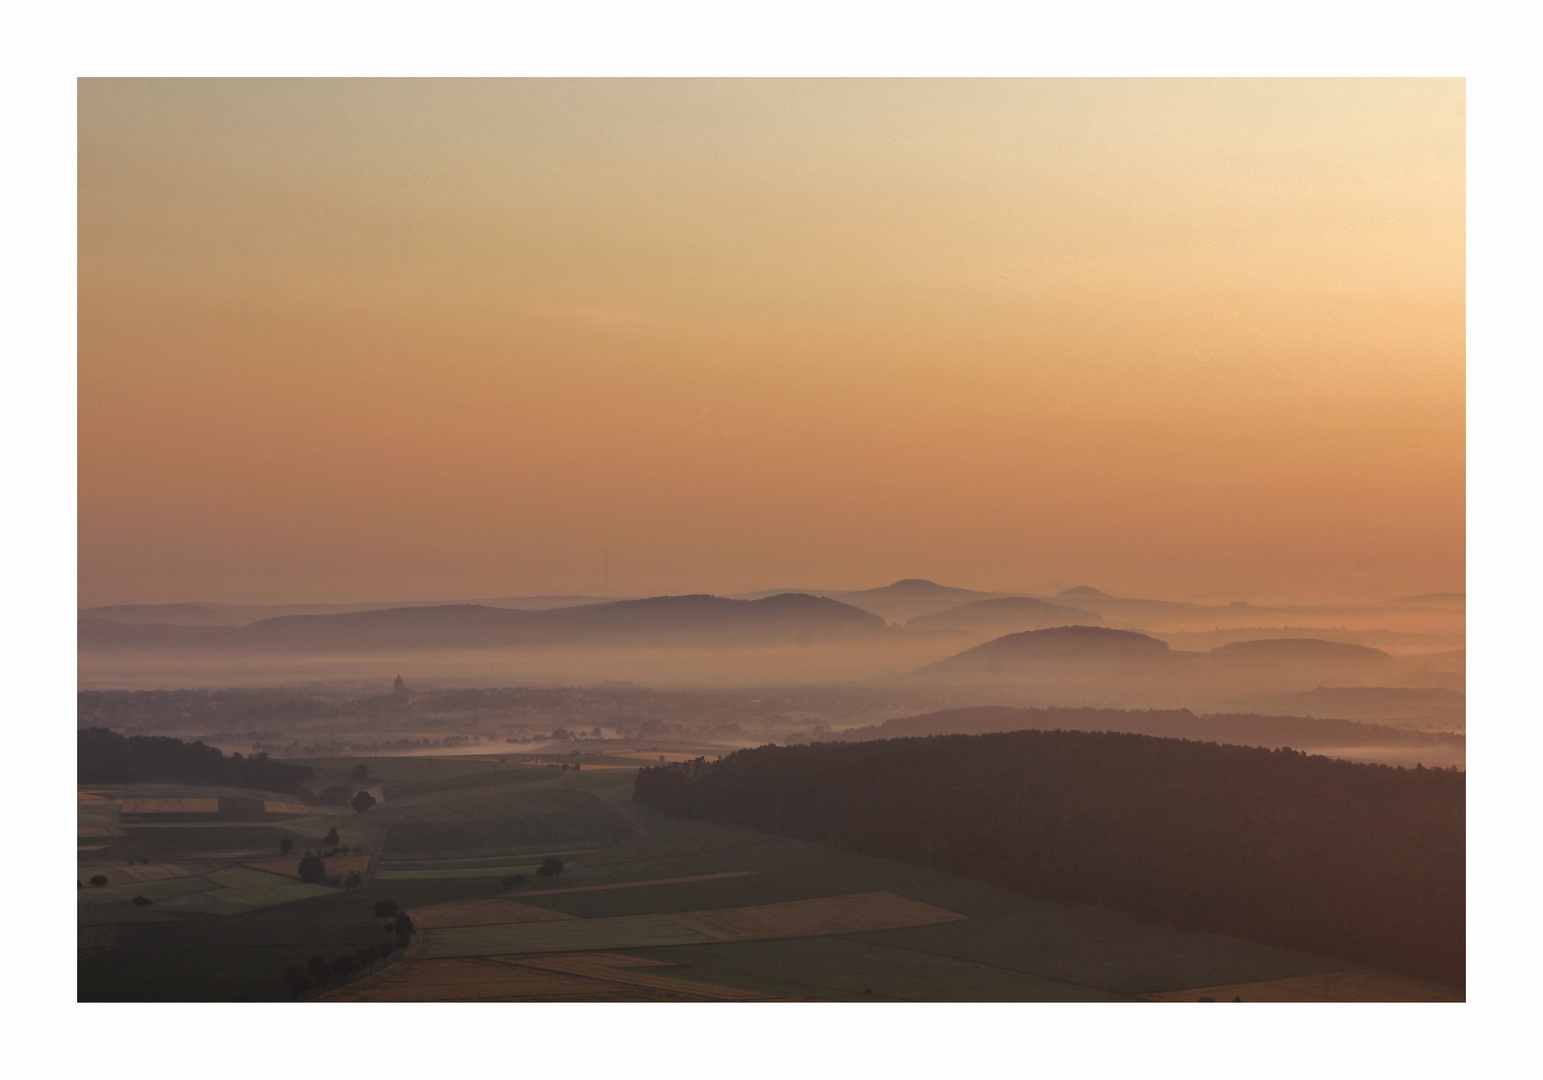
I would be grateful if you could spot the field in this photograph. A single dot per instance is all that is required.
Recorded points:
(171, 806)
(586, 977)
(648, 907)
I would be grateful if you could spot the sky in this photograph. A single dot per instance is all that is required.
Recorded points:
(347, 340)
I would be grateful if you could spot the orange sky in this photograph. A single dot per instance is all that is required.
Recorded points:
(393, 340)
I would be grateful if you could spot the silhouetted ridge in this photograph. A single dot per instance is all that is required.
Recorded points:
(694, 619)
(1238, 729)
(1360, 862)
(1077, 644)
(1301, 649)
(1005, 609)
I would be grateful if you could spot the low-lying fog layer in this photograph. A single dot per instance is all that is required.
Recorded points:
(1399, 664)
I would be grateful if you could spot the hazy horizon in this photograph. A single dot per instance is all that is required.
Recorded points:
(352, 341)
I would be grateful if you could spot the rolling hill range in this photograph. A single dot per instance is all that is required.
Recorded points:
(657, 621)
(205, 614)
(1100, 665)
(1435, 612)
(901, 600)
(1005, 614)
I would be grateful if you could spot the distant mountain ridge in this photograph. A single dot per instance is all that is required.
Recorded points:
(666, 620)
(211, 614)
(1001, 612)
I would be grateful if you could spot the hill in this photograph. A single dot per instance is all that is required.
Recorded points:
(1327, 736)
(1061, 645)
(1302, 651)
(657, 621)
(205, 614)
(104, 757)
(908, 598)
(1005, 613)
(1361, 862)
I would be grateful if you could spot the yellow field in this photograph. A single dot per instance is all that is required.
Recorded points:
(255, 887)
(641, 884)
(615, 967)
(857, 913)
(1353, 985)
(294, 808)
(484, 912)
(289, 866)
(153, 871)
(121, 874)
(526, 868)
(171, 806)
(852, 914)
(600, 979)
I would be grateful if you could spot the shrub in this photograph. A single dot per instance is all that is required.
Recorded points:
(312, 869)
(99, 880)
(142, 901)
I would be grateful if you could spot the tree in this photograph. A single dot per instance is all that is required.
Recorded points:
(362, 802)
(99, 880)
(353, 881)
(386, 908)
(317, 966)
(297, 979)
(312, 869)
(360, 773)
(404, 929)
(286, 845)
(143, 901)
(385, 947)
(331, 839)
(344, 966)
(550, 866)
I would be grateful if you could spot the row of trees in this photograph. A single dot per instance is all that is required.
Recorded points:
(1362, 862)
(102, 756)
(397, 929)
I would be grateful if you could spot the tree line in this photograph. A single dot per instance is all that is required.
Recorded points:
(1359, 862)
(105, 757)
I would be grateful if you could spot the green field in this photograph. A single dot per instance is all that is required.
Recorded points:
(170, 841)
(228, 933)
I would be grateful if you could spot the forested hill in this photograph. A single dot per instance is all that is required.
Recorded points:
(1359, 862)
(1242, 729)
(105, 757)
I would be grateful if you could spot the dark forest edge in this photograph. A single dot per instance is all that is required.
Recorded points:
(1363, 863)
(105, 757)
